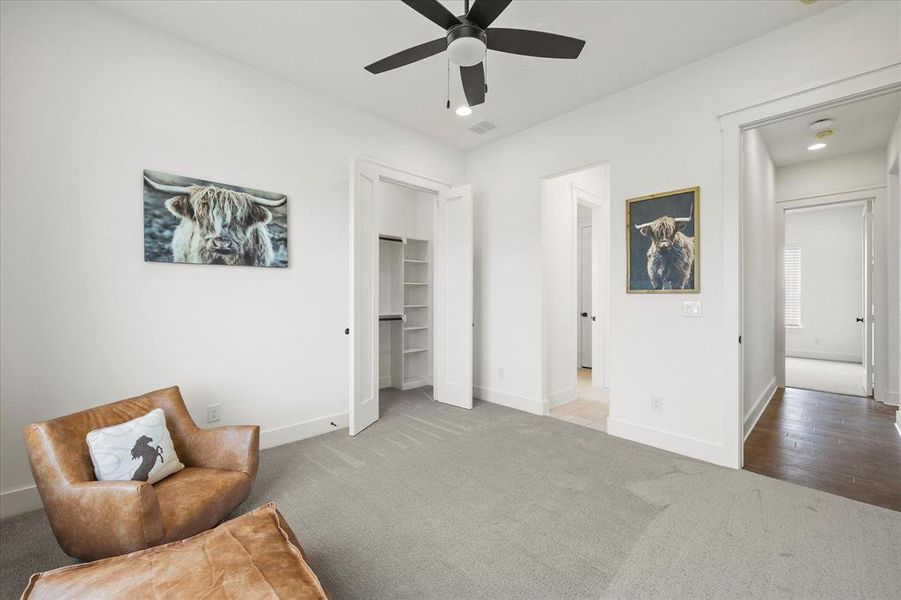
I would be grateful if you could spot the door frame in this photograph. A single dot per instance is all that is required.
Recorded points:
(879, 79)
(381, 173)
(600, 370)
(873, 198)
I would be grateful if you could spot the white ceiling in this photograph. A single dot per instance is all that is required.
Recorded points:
(324, 45)
(858, 126)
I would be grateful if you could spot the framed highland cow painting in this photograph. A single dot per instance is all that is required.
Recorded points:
(663, 243)
(189, 220)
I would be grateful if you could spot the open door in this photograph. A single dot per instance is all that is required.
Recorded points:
(587, 314)
(869, 312)
(364, 397)
(453, 297)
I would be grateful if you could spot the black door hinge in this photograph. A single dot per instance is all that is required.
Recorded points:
(739, 339)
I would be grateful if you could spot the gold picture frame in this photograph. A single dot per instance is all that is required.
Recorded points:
(657, 252)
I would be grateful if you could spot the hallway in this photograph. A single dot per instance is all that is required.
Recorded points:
(589, 409)
(845, 445)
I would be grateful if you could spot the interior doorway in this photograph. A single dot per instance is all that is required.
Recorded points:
(411, 289)
(576, 271)
(815, 290)
(828, 301)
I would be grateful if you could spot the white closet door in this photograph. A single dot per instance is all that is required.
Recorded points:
(364, 268)
(587, 313)
(453, 297)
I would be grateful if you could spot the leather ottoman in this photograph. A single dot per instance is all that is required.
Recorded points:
(252, 556)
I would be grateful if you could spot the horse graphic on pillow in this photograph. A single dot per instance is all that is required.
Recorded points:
(148, 455)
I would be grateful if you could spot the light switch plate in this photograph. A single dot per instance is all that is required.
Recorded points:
(691, 308)
(213, 413)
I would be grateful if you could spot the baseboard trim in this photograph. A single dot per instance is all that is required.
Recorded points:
(26, 499)
(279, 436)
(22, 500)
(759, 406)
(852, 358)
(529, 405)
(561, 397)
(671, 442)
(891, 398)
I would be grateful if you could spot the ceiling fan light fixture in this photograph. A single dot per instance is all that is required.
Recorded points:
(466, 51)
(817, 146)
(463, 111)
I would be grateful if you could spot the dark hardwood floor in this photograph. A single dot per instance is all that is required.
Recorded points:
(844, 445)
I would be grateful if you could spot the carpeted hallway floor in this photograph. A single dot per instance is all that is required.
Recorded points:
(438, 502)
(825, 376)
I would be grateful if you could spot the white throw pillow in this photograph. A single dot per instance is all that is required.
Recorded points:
(138, 450)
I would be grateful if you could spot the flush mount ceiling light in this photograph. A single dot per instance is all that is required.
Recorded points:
(463, 111)
(817, 146)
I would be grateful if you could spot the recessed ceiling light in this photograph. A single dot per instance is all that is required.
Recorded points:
(464, 111)
(817, 146)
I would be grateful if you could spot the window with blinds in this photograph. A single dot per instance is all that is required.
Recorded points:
(792, 286)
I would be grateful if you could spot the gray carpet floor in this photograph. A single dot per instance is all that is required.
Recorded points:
(439, 502)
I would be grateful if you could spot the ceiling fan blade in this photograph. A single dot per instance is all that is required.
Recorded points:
(534, 43)
(484, 12)
(473, 84)
(434, 11)
(408, 56)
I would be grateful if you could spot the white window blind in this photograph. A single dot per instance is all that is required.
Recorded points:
(792, 286)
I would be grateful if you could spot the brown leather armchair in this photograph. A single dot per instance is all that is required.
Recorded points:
(96, 519)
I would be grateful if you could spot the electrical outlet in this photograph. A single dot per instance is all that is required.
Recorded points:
(500, 373)
(657, 403)
(213, 413)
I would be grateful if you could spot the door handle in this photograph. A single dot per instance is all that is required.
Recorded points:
(860, 319)
(584, 314)
(594, 318)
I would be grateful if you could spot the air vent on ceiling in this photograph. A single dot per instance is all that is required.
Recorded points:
(483, 127)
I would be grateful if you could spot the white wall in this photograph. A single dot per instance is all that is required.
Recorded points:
(831, 242)
(405, 212)
(558, 230)
(893, 279)
(759, 277)
(660, 135)
(831, 175)
(88, 100)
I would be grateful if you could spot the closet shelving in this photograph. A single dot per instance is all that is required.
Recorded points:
(406, 306)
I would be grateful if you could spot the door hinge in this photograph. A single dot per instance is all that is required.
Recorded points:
(739, 339)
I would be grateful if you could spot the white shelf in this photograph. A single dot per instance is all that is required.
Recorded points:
(416, 305)
(415, 283)
(415, 261)
(415, 328)
(414, 350)
(397, 315)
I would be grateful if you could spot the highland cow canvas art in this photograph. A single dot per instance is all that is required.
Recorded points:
(189, 220)
(663, 243)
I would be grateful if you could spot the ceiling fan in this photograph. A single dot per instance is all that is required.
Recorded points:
(467, 39)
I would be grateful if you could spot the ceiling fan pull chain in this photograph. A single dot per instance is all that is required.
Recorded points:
(448, 83)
